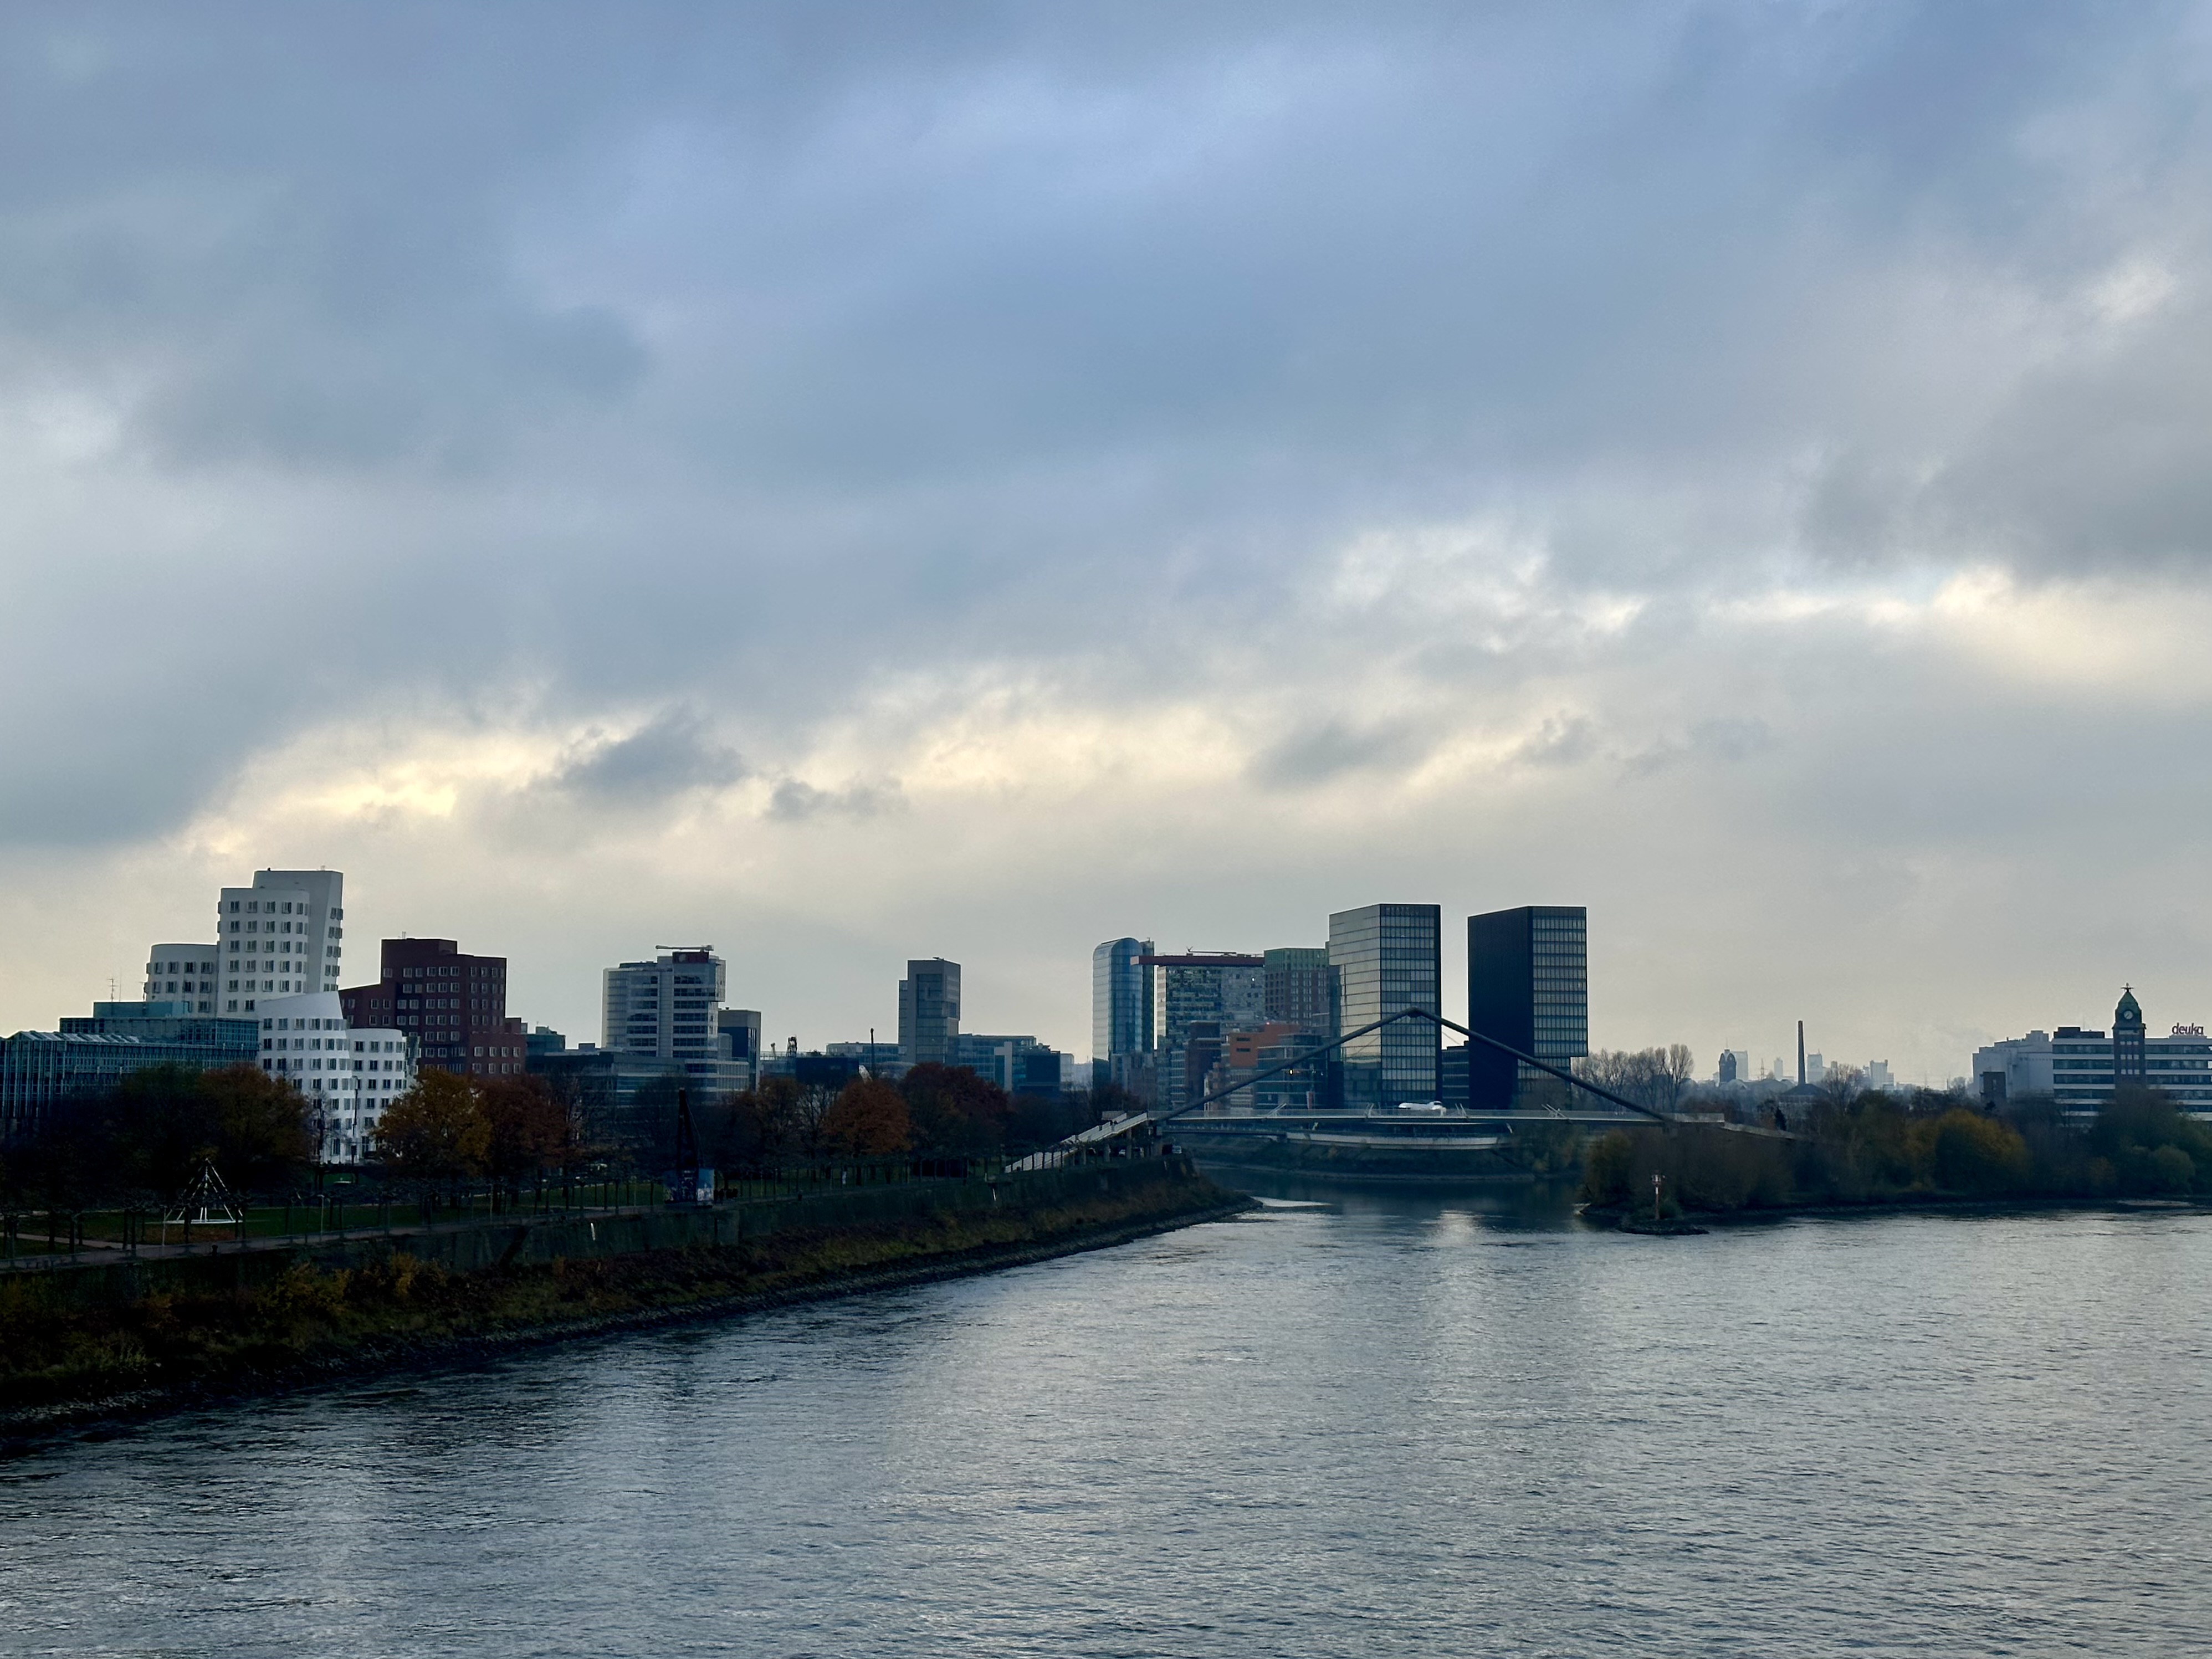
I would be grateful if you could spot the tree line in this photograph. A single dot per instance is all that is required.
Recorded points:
(1870, 1147)
(145, 1141)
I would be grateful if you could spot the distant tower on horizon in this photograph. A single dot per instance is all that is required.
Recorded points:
(2129, 1064)
(1800, 1054)
(929, 1012)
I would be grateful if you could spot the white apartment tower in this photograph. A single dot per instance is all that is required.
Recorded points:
(281, 936)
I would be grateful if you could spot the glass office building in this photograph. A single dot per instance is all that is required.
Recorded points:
(1196, 998)
(1527, 985)
(1121, 1001)
(1301, 989)
(1387, 958)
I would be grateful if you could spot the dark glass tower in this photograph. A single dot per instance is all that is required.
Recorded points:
(1527, 985)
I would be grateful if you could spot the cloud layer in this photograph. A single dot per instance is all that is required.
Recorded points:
(854, 484)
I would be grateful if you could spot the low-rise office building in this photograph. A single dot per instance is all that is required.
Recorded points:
(44, 1073)
(626, 1102)
(2078, 1069)
(1020, 1065)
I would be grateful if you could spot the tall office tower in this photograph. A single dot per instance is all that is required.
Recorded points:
(929, 1012)
(1300, 989)
(1387, 958)
(1121, 1007)
(454, 1006)
(1224, 990)
(665, 1009)
(1527, 985)
(183, 974)
(280, 937)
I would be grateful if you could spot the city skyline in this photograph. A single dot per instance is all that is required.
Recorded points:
(1175, 480)
(1073, 1032)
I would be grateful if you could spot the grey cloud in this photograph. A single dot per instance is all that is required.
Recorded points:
(1562, 740)
(361, 361)
(795, 801)
(1323, 753)
(673, 753)
(1731, 740)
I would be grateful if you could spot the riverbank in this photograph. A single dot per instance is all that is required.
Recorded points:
(1636, 1218)
(67, 1360)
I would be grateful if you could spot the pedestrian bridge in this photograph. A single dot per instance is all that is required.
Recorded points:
(1399, 1127)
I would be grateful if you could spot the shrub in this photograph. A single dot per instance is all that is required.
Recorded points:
(2171, 1170)
(1608, 1168)
(1974, 1153)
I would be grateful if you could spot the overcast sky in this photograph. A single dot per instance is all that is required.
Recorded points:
(849, 483)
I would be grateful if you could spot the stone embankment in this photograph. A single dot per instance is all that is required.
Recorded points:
(118, 1337)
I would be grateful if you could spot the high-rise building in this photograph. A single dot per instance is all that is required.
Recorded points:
(183, 974)
(665, 1009)
(452, 1003)
(1120, 1005)
(929, 1012)
(1528, 986)
(281, 936)
(1301, 989)
(1195, 997)
(1387, 958)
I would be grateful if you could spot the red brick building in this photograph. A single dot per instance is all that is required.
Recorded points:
(453, 1003)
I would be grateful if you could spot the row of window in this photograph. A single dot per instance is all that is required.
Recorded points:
(289, 1066)
(273, 907)
(285, 987)
(279, 928)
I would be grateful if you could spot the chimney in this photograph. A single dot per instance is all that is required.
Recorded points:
(1800, 1054)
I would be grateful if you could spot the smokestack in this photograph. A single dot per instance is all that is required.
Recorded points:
(1800, 1054)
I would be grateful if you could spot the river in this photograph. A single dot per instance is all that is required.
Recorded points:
(1392, 1422)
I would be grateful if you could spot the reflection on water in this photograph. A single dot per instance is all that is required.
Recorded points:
(1370, 1420)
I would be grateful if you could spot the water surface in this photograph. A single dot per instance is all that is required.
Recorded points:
(1404, 1423)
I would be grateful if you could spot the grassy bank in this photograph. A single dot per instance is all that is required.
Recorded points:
(57, 1364)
